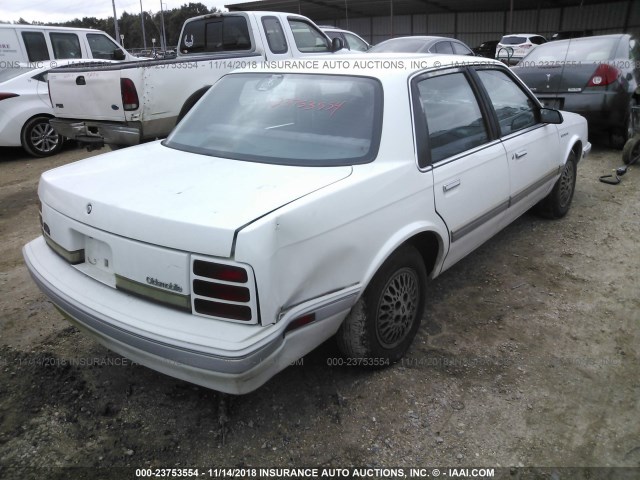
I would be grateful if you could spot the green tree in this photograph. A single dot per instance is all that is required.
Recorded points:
(130, 27)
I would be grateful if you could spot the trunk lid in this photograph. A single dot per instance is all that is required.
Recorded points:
(554, 79)
(175, 199)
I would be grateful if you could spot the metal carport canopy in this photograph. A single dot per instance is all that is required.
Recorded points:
(320, 10)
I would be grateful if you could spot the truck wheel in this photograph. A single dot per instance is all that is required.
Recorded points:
(557, 203)
(39, 139)
(384, 322)
(631, 150)
(619, 138)
(191, 101)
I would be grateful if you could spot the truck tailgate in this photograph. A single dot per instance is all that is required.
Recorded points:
(91, 94)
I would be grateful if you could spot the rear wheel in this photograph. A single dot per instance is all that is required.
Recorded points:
(384, 322)
(39, 138)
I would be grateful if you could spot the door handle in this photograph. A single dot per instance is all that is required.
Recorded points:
(80, 80)
(521, 154)
(451, 186)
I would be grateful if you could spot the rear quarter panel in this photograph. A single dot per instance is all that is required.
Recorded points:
(340, 235)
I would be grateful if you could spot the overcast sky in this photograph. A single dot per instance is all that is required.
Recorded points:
(49, 11)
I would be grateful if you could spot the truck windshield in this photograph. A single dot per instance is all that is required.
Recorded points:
(291, 119)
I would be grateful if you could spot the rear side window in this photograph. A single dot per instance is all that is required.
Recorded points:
(443, 47)
(275, 35)
(453, 116)
(460, 49)
(9, 73)
(537, 40)
(308, 38)
(65, 45)
(587, 49)
(101, 46)
(356, 44)
(36, 46)
(634, 49)
(515, 110)
(216, 35)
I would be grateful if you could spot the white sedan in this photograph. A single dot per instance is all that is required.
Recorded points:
(291, 206)
(25, 107)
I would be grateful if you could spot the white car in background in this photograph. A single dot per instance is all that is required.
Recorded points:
(511, 48)
(25, 107)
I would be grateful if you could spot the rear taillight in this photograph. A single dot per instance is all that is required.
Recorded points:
(526, 45)
(224, 290)
(604, 75)
(129, 94)
(4, 96)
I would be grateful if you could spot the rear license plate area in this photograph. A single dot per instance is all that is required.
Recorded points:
(98, 261)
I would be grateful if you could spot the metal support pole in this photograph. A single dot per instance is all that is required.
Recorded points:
(115, 20)
(511, 18)
(391, 6)
(164, 35)
(144, 37)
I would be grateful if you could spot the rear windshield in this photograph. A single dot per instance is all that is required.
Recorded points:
(406, 45)
(577, 50)
(513, 40)
(217, 34)
(9, 73)
(291, 119)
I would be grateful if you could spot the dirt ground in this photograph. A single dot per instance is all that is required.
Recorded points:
(528, 356)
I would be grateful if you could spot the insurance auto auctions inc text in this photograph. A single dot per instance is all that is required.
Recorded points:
(352, 472)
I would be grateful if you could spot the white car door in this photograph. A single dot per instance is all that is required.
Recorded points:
(469, 166)
(532, 147)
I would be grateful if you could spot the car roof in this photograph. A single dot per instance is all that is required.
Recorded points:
(426, 41)
(49, 27)
(377, 65)
(425, 38)
(331, 27)
(589, 38)
(522, 35)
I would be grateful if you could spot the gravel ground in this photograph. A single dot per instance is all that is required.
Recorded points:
(528, 356)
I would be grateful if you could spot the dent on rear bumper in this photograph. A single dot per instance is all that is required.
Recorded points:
(232, 371)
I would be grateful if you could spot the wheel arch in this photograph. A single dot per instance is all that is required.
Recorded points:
(429, 246)
(576, 147)
(429, 243)
(191, 101)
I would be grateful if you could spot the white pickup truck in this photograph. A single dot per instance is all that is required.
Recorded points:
(132, 102)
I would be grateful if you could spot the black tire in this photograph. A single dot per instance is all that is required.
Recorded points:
(384, 322)
(190, 102)
(39, 139)
(618, 138)
(558, 202)
(631, 150)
